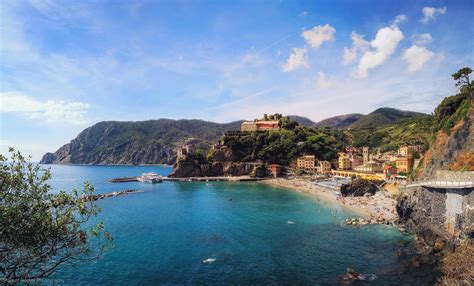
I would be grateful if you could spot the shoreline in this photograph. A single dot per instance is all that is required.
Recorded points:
(372, 207)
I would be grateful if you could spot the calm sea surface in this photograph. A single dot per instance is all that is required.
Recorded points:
(258, 235)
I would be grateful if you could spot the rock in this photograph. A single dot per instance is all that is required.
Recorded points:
(438, 245)
(415, 262)
(359, 187)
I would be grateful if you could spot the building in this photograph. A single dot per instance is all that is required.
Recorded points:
(369, 167)
(404, 165)
(405, 151)
(343, 162)
(265, 124)
(306, 163)
(409, 150)
(276, 170)
(186, 149)
(324, 167)
(389, 172)
(355, 161)
(365, 155)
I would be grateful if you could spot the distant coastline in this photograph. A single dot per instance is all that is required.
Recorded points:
(110, 165)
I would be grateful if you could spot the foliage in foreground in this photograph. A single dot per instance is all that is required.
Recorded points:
(40, 230)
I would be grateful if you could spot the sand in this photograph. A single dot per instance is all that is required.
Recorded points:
(375, 207)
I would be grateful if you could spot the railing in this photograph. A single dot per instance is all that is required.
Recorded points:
(442, 184)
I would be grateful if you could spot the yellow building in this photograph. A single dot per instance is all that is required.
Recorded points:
(343, 163)
(306, 163)
(369, 167)
(324, 167)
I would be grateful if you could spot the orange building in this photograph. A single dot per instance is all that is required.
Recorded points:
(404, 165)
(306, 163)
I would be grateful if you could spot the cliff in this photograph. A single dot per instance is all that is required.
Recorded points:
(442, 214)
(452, 149)
(220, 163)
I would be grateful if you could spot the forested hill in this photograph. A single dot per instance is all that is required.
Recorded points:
(140, 142)
(380, 117)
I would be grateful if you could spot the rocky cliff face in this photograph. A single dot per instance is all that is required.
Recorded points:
(141, 142)
(454, 151)
(220, 163)
(185, 169)
(443, 213)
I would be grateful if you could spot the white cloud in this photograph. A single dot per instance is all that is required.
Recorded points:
(416, 57)
(322, 82)
(298, 59)
(359, 45)
(304, 14)
(399, 19)
(430, 13)
(50, 111)
(423, 39)
(382, 47)
(318, 35)
(348, 56)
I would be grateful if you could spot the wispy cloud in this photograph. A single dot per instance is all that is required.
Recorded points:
(297, 59)
(430, 13)
(50, 111)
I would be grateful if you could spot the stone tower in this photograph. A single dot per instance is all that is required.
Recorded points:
(365, 154)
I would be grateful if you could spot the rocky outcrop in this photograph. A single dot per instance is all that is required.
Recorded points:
(185, 169)
(359, 188)
(448, 149)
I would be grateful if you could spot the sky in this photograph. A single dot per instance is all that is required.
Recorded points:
(65, 65)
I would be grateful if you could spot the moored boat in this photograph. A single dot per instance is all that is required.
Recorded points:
(150, 178)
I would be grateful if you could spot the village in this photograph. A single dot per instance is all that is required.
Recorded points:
(353, 162)
(384, 173)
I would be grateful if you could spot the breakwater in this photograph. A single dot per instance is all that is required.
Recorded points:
(193, 179)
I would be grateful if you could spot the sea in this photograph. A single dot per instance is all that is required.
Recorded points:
(228, 233)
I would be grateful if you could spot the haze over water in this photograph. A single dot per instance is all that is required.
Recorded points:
(257, 235)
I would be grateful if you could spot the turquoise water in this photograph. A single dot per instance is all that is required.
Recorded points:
(258, 235)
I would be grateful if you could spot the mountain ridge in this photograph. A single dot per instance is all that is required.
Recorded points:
(155, 141)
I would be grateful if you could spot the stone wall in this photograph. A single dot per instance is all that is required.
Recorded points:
(435, 212)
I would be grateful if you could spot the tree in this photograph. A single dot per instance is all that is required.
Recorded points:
(462, 80)
(41, 230)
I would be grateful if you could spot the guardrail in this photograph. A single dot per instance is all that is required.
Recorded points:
(442, 184)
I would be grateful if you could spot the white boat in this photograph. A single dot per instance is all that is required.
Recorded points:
(150, 178)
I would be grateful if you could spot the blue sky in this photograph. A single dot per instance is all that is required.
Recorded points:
(65, 65)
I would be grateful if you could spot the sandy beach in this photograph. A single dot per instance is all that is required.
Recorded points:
(374, 207)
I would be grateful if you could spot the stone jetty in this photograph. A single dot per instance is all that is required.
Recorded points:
(123, 180)
(115, 194)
